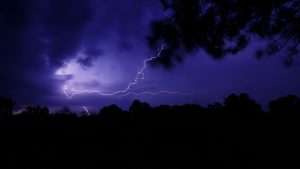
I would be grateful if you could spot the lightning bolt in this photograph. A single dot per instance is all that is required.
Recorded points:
(70, 93)
(162, 92)
(139, 75)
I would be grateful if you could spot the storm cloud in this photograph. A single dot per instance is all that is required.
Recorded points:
(102, 44)
(38, 37)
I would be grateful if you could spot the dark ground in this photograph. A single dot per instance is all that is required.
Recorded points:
(236, 134)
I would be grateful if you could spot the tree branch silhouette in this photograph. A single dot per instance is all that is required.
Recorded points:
(222, 28)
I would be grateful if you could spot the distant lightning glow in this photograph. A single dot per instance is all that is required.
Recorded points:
(86, 110)
(70, 93)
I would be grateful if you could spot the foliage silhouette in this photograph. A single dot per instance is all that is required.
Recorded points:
(6, 106)
(64, 110)
(285, 106)
(236, 133)
(241, 106)
(37, 111)
(138, 106)
(226, 27)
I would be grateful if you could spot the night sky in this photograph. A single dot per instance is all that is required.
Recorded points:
(100, 45)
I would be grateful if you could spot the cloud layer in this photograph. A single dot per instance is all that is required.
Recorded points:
(101, 45)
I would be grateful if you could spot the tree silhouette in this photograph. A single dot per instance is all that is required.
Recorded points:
(111, 110)
(285, 106)
(65, 113)
(242, 106)
(36, 111)
(226, 27)
(138, 106)
(111, 115)
(64, 110)
(6, 106)
(236, 133)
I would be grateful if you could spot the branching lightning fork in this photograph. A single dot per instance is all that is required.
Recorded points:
(126, 92)
(139, 75)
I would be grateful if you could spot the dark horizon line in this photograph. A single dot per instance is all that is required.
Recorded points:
(242, 97)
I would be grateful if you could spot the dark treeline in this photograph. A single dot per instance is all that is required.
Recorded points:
(237, 133)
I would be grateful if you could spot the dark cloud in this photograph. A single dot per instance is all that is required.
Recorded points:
(14, 14)
(86, 62)
(63, 24)
(40, 36)
(33, 31)
(90, 55)
(36, 38)
(93, 52)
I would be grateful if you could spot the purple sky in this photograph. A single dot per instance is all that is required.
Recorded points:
(100, 45)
